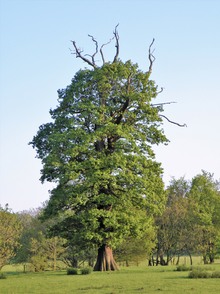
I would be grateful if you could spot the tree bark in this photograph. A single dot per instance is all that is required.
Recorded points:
(178, 260)
(205, 259)
(105, 260)
(190, 256)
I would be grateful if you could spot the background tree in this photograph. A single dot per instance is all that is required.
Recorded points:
(98, 149)
(31, 227)
(172, 222)
(190, 221)
(204, 194)
(45, 252)
(10, 232)
(177, 189)
(76, 255)
(170, 225)
(135, 250)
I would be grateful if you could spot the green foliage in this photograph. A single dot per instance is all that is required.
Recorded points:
(72, 271)
(3, 276)
(172, 226)
(10, 232)
(199, 273)
(205, 200)
(98, 149)
(32, 227)
(190, 222)
(45, 252)
(204, 192)
(183, 268)
(203, 272)
(216, 275)
(38, 263)
(135, 249)
(76, 253)
(177, 189)
(86, 270)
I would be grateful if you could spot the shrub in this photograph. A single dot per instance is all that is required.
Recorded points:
(183, 268)
(199, 274)
(205, 275)
(2, 276)
(72, 271)
(39, 263)
(216, 274)
(86, 270)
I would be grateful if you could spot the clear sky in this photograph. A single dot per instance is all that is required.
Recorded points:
(35, 62)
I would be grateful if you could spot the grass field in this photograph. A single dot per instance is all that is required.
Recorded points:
(141, 279)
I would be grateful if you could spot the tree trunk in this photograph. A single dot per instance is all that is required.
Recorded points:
(205, 259)
(105, 260)
(162, 260)
(91, 261)
(190, 256)
(178, 260)
(211, 258)
(55, 258)
(74, 262)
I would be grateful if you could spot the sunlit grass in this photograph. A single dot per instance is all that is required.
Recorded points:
(133, 279)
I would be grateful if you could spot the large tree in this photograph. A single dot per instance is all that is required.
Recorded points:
(98, 151)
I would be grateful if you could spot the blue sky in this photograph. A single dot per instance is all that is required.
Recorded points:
(35, 62)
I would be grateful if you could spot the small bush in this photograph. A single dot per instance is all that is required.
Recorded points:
(2, 276)
(183, 268)
(205, 275)
(72, 271)
(199, 274)
(86, 271)
(216, 274)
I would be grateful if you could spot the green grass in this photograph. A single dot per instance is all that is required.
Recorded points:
(129, 280)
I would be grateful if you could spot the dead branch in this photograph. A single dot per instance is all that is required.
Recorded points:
(78, 54)
(91, 61)
(163, 103)
(161, 90)
(172, 122)
(151, 57)
(116, 35)
(96, 49)
(101, 52)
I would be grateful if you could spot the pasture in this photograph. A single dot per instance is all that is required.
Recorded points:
(133, 279)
